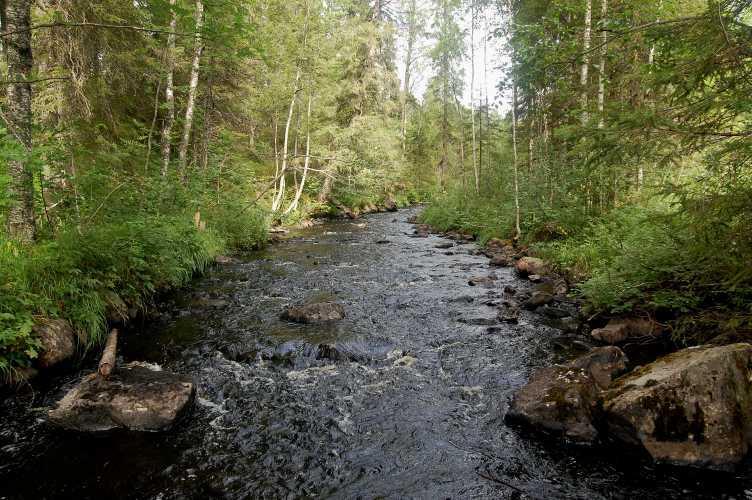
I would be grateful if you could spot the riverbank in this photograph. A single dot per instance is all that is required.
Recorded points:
(644, 259)
(404, 397)
(89, 277)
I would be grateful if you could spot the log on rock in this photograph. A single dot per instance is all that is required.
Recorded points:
(107, 363)
(138, 396)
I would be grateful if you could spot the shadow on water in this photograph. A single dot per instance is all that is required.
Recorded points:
(403, 398)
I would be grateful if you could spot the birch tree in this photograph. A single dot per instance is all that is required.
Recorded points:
(585, 60)
(277, 201)
(192, 88)
(602, 63)
(16, 22)
(472, 94)
(169, 121)
(299, 192)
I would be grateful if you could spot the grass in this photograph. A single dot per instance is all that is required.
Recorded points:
(85, 275)
(690, 269)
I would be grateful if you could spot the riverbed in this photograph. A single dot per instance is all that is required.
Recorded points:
(405, 398)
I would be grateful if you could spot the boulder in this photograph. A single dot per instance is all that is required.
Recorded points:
(509, 314)
(224, 259)
(558, 400)
(314, 313)
(538, 299)
(444, 245)
(603, 363)
(136, 396)
(527, 266)
(621, 330)
(563, 399)
(390, 205)
(58, 342)
(502, 260)
(692, 407)
(485, 281)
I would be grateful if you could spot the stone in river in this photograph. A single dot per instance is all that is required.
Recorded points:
(319, 312)
(136, 397)
(692, 407)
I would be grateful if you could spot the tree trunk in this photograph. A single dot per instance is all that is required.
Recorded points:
(472, 94)
(602, 64)
(169, 92)
(193, 86)
(585, 60)
(517, 230)
(17, 18)
(153, 126)
(299, 192)
(277, 201)
(109, 355)
(412, 34)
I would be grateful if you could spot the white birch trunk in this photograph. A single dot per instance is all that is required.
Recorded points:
(299, 192)
(472, 95)
(585, 59)
(169, 93)
(518, 232)
(602, 64)
(193, 86)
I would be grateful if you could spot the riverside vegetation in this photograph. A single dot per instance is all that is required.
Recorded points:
(139, 141)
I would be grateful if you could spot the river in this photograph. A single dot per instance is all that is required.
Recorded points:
(405, 398)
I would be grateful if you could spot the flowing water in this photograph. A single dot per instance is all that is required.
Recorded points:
(405, 398)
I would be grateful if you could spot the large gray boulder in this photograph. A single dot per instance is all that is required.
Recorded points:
(319, 312)
(57, 339)
(136, 396)
(692, 407)
(563, 399)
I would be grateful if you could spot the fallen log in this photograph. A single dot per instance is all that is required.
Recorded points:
(107, 362)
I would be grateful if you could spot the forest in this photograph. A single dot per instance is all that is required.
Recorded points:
(142, 142)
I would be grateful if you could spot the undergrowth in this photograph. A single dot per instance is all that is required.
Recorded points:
(671, 258)
(87, 274)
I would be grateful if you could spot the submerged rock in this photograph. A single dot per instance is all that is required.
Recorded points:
(444, 246)
(485, 281)
(563, 399)
(509, 314)
(58, 342)
(620, 330)
(692, 407)
(136, 397)
(314, 313)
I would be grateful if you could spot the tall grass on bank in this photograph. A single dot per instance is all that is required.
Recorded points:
(86, 274)
(672, 258)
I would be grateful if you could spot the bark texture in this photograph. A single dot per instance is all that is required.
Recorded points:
(17, 20)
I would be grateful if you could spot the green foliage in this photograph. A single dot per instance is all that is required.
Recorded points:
(84, 276)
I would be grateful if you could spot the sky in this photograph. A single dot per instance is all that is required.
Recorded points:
(484, 83)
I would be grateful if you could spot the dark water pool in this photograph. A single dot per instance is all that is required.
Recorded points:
(405, 398)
